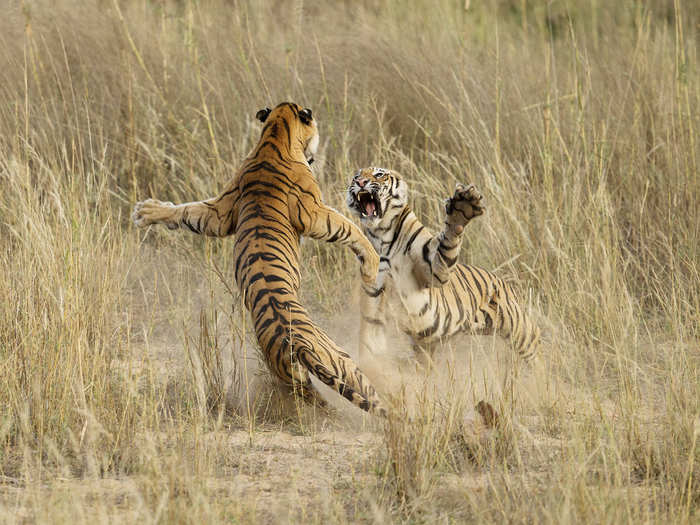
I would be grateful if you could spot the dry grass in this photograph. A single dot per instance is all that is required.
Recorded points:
(130, 386)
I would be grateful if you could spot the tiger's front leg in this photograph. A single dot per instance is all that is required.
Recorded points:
(213, 217)
(329, 225)
(433, 267)
(373, 320)
(461, 208)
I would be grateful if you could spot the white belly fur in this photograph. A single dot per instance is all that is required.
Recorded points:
(406, 299)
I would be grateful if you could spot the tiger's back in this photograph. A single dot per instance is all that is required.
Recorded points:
(476, 301)
(270, 203)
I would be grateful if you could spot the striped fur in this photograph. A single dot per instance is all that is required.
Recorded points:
(419, 274)
(272, 201)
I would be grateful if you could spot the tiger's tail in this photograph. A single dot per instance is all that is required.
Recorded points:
(334, 368)
(295, 347)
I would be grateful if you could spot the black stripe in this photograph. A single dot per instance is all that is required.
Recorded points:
(289, 133)
(376, 292)
(425, 308)
(430, 330)
(426, 254)
(412, 238)
(397, 232)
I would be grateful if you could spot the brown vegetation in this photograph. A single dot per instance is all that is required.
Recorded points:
(130, 386)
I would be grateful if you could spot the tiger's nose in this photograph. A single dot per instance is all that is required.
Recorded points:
(361, 182)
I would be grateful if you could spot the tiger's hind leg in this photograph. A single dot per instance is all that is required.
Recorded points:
(426, 363)
(308, 393)
(504, 316)
(511, 322)
(292, 373)
(423, 355)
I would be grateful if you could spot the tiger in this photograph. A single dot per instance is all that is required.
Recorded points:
(268, 205)
(419, 275)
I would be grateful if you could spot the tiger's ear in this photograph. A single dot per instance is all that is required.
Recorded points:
(263, 114)
(305, 115)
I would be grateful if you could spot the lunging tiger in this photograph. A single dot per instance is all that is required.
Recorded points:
(271, 202)
(419, 275)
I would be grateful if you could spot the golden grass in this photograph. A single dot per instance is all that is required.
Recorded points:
(130, 386)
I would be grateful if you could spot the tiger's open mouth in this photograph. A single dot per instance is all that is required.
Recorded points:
(368, 204)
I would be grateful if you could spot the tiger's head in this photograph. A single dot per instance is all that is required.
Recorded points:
(291, 124)
(377, 195)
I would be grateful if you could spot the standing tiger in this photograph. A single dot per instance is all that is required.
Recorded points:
(271, 202)
(419, 274)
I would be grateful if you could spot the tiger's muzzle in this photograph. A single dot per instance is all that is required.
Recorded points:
(365, 203)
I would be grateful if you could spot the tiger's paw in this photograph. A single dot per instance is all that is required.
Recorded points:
(479, 426)
(152, 211)
(488, 414)
(370, 267)
(463, 206)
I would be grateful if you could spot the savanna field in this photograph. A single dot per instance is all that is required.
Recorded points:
(131, 386)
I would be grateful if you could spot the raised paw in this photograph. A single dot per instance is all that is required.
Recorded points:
(464, 205)
(152, 211)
